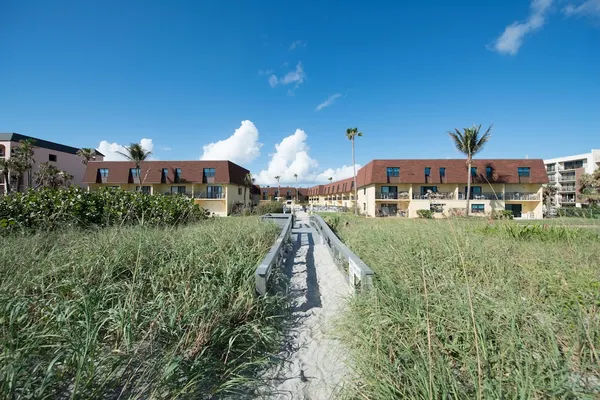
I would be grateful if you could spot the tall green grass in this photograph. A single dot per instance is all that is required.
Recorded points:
(136, 312)
(464, 311)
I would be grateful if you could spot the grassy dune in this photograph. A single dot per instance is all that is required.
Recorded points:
(463, 310)
(135, 312)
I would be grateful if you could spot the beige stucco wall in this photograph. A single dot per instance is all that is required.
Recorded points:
(366, 200)
(233, 196)
(216, 206)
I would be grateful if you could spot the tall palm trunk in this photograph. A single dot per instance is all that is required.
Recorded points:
(7, 187)
(469, 163)
(355, 188)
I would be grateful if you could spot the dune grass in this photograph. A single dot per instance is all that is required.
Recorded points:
(465, 311)
(136, 312)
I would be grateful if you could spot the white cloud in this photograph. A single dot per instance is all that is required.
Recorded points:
(330, 100)
(337, 174)
(295, 77)
(587, 8)
(512, 38)
(265, 71)
(292, 157)
(110, 150)
(166, 149)
(241, 147)
(297, 43)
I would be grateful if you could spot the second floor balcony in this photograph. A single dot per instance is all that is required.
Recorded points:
(392, 195)
(517, 196)
(208, 195)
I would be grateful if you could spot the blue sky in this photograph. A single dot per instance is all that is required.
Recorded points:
(185, 74)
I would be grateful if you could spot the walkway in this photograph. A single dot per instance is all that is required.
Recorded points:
(314, 366)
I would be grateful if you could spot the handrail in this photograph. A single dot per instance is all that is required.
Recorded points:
(275, 256)
(357, 274)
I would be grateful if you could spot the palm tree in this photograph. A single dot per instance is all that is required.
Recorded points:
(248, 182)
(469, 142)
(136, 153)
(296, 176)
(87, 154)
(278, 187)
(22, 161)
(351, 134)
(5, 167)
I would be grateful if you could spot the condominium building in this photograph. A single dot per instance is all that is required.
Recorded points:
(339, 193)
(282, 193)
(217, 186)
(403, 187)
(565, 173)
(63, 157)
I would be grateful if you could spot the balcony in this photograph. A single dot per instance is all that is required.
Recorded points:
(567, 189)
(567, 178)
(392, 196)
(209, 196)
(521, 196)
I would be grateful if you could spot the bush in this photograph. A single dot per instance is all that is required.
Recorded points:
(273, 207)
(502, 214)
(427, 214)
(589, 212)
(49, 209)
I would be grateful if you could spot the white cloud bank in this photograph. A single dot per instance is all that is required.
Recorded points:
(241, 147)
(330, 100)
(110, 150)
(292, 157)
(512, 38)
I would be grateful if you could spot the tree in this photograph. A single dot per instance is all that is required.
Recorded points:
(136, 153)
(549, 194)
(5, 167)
(48, 176)
(296, 176)
(278, 187)
(469, 142)
(22, 161)
(248, 183)
(352, 134)
(589, 187)
(87, 154)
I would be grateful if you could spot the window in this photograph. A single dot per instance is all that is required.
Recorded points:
(393, 171)
(442, 172)
(289, 192)
(477, 208)
(165, 173)
(103, 172)
(489, 172)
(143, 189)
(52, 157)
(265, 195)
(134, 172)
(209, 172)
(177, 174)
(214, 192)
(551, 167)
(427, 171)
(239, 191)
(473, 171)
(524, 171)
(427, 189)
(364, 191)
(178, 189)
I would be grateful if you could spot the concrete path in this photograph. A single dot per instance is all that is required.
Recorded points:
(314, 366)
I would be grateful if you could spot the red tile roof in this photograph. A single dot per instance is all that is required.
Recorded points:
(272, 189)
(151, 171)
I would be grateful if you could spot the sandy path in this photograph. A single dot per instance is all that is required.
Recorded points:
(314, 367)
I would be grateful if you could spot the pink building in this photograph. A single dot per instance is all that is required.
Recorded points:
(62, 157)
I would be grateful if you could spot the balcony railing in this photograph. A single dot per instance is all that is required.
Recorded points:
(567, 189)
(392, 195)
(461, 196)
(208, 195)
(521, 196)
(568, 178)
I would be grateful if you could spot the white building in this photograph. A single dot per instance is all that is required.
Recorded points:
(565, 173)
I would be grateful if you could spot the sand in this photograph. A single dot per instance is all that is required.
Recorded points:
(314, 364)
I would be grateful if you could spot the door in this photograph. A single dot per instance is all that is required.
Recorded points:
(517, 209)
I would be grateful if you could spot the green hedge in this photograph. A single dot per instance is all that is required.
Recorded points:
(589, 212)
(49, 209)
(268, 208)
(427, 214)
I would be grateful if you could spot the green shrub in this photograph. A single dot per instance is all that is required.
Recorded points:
(589, 212)
(502, 214)
(427, 214)
(273, 207)
(48, 209)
